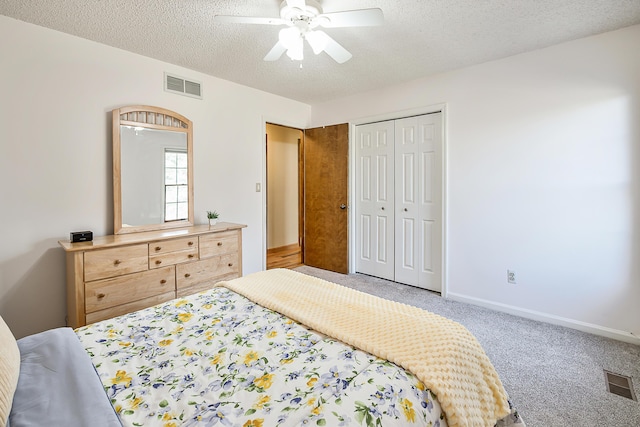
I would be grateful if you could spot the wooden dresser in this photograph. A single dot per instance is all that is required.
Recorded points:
(114, 275)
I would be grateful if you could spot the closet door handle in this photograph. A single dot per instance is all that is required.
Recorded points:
(343, 206)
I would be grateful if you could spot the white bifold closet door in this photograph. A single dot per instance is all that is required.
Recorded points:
(375, 227)
(399, 200)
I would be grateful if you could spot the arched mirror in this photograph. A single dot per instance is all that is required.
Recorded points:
(152, 169)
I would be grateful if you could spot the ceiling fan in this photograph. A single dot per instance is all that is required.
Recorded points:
(302, 18)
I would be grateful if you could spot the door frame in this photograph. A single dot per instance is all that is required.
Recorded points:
(263, 177)
(434, 108)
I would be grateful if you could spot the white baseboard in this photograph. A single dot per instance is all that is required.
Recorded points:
(548, 318)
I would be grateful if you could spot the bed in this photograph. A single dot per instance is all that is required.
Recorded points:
(275, 348)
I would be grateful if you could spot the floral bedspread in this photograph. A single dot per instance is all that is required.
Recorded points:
(217, 358)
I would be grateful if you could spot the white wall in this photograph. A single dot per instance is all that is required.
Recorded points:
(282, 186)
(543, 178)
(55, 169)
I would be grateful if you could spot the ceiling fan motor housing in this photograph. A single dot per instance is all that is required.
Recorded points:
(295, 15)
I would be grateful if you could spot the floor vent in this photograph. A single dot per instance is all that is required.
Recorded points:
(182, 86)
(620, 385)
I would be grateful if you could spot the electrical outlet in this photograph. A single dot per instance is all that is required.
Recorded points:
(511, 277)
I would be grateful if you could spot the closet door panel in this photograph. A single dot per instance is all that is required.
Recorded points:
(407, 254)
(407, 198)
(429, 135)
(408, 179)
(383, 257)
(364, 243)
(426, 239)
(374, 200)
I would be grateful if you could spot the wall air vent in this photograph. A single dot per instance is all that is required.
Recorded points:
(182, 86)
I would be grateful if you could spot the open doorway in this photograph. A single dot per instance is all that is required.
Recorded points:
(284, 154)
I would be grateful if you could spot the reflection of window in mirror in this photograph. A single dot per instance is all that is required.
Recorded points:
(176, 190)
(152, 169)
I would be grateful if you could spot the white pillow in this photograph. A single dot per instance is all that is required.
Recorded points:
(9, 370)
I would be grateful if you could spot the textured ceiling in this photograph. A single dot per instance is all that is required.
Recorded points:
(419, 37)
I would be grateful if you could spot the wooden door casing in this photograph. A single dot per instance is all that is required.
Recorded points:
(326, 160)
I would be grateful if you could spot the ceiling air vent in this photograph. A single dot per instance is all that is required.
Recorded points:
(182, 86)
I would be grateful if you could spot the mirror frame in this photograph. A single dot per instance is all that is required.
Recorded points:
(153, 118)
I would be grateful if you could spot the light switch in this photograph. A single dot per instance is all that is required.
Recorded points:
(258, 188)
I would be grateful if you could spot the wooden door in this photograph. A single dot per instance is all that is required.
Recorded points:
(326, 159)
(374, 210)
(418, 201)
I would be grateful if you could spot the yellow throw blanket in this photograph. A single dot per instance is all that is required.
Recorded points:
(443, 354)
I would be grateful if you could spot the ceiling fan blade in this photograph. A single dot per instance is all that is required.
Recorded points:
(248, 20)
(352, 18)
(276, 52)
(335, 49)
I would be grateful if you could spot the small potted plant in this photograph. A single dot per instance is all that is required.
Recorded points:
(213, 217)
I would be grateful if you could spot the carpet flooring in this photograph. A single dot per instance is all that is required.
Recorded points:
(553, 375)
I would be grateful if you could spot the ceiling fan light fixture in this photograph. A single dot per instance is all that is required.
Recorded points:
(295, 51)
(289, 36)
(317, 40)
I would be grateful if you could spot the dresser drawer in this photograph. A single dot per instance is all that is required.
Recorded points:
(173, 245)
(218, 244)
(103, 263)
(107, 293)
(130, 307)
(207, 269)
(173, 251)
(203, 286)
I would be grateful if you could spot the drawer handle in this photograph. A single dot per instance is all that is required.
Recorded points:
(230, 264)
(163, 281)
(158, 248)
(117, 262)
(187, 275)
(191, 255)
(190, 243)
(100, 296)
(158, 262)
(219, 243)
